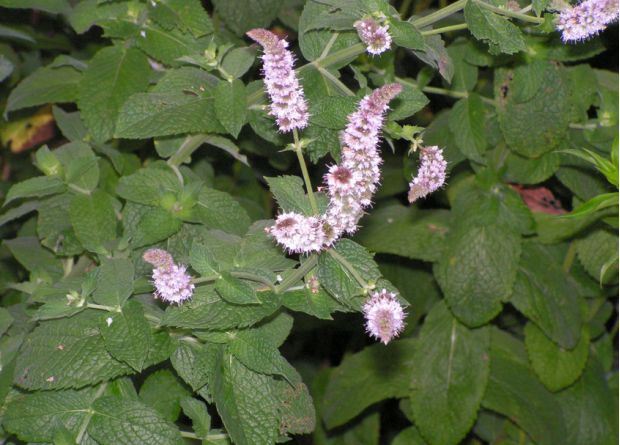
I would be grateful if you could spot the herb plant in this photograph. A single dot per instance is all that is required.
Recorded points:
(246, 221)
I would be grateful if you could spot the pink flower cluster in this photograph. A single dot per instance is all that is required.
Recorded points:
(384, 316)
(431, 174)
(287, 97)
(587, 19)
(171, 282)
(299, 233)
(376, 37)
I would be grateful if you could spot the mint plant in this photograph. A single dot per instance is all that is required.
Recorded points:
(363, 221)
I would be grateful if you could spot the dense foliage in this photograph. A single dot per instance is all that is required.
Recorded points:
(135, 125)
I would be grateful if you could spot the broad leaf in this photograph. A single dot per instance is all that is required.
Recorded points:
(467, 124)
(256, 351)
(187, 15)
(93, 218)
(197, 411)
(231, 105)
(487, 25)
(164, 391)
(115, 283)
(234, 290)
(39, 186)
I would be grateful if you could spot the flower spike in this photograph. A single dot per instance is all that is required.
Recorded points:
(376, 37)
(384, 315)
(431, 175)
(171, 282)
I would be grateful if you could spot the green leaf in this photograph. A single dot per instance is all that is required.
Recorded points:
(231, 105)
(331, 111)
(20, 211)
(155, 225)
(224, 248)
(405, 231)
(197, 411)
(167, 46)
(539, 125)
(259, 249)
(89, 12)
(52, 6)
(30, 254)
(408, 102)
(289, 192)
(75, 157)
(594, 204)
(46, 85)
(377, 373)
(409, 436)
(527, 79)
(83, 359)
(256, 351)
(39, 186)
(115, 282)
(557, 368)
(465, 74)
(246, 402)
(164, 391)
(127, 334)
(450, 376)
(187, 364)
(144, 185)
(33, 417)
(238, 61)
(515, 393)
(468, 127)
(207, 310)
(244, 15)
(121, 420)
(202, 261)
(187, 15)
(523, 170)
(485, 25)
(405, 34)
(477, 270)
(337, 279)
(543, 293)
(6, 68)
(590, 409)
(93, 218)
(540, 5)
(594, 251)
(112, 76)
(163, 346)
(234, 290)
(436, 56)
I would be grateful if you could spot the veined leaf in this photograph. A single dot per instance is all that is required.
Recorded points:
(187, 15)
(231, 105)
(164, 391)
(487, 25)
(39, 186)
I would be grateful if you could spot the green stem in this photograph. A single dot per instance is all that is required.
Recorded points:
(79, 190)
(508, 13)
(80, 267)
(103, 308)
(442, 13)
(206, 279)
(339, 56)
(445, 29)
(254, 277)
(457, 94)
(299, 273)
(333, 79)
(329, 45)
(304, 171)
(90, 413)
(583, 126)
(335, 255)
(190, 145)
(570, 256)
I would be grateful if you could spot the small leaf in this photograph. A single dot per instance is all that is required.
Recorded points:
(93, 218)
(115, 282)
(202, 261)
(39, 186)
(164, 391)
(155, 225)
(467, 124)
(405, 34)
(231, 105)
(485, 24)
(238, 61)
(234, 290)
(197, 411)
(144, 186)
(289, 192)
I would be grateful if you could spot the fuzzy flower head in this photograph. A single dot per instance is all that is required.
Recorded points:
(299, 233)
(587, 19)
(287, 97)
(431, 174)
(171, 282)
(385, 316)
(376, 37)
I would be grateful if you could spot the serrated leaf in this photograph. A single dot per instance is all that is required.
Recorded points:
(197, 411)
(244, 15)
(93, 218)
(164, 391)
(557, 368)
(377, 373)
(168, 46)
(259, 249)
(465, 74)
(543, 293)
(246, 402)
(163, 346)
(256, 351)
(296, 409)
(224, 247)
(155, 225)
(337, 279)
(33, 417)
(51, 6)
(467, 124)
(289, 192)
(331, 111)
(523, 170)
(30, 254)
(405, 34)
(219, 211)
(185, 362)
(46, 85)
(231, 105)
(20, 211)
(39, 186)
(72, 156)
(515, 393)
(88, 12)
(112, 76)
(436, 56)
(144, 186)
(187, 15)
(486, 25)
(405, 231)
(70, 124)
(82, 360)
(239, 61)
(527, 79)
(121, 420)
(408, 102)
(234, 290)
(202, 261)
(450, 376)
(277, 327)
(115, 282)
(207, 310)
(595, 249)
(127, 334)
(538, 125)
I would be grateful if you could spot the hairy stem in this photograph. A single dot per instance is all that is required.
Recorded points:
(445, 29)
(304, 170)
(189, 146)
(299, 273)
(329, 45)
(335, 255)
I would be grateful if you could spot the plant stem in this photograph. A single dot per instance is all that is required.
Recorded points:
(190, 145)
(570, 256)
(438, 15)
(254, 277)
(79, 190)
(329, 45)
(445, 29)
(206, 279)
(508, 13)
(333, 79)
(80, 267)
(304, 171)
(457, 94)
(299, 273)
(583, 126)
(90, 412)
(335, 255)
(339, 56)
(104, 308)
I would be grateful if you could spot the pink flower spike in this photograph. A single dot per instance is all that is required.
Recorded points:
(376, 38)
(587, 19)
(385, 316)
(287, 97)
(431, 174)
(159, 258)
(298, 233)
(172, 283)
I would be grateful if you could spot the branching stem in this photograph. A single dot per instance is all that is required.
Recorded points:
(299, 273)
(335, 255)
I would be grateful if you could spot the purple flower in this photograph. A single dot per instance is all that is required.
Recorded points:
(171, 282)
(376, 37)
(587, 19)
(299, 233)
(431, 174)
(287, 97)
(384, 315)
(352, 183)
